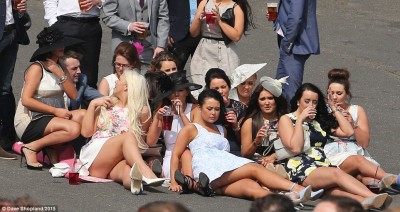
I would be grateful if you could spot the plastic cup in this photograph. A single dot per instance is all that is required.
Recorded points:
(73, 178)
(16, 2)
(144, 34)
(209, 18)
(373, 188)
(272, 11)
(82, 8)
(167, 121)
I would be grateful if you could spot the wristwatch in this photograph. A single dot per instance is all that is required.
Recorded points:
(62, 79)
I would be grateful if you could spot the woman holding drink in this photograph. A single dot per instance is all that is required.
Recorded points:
(309, 165)
(176, 112)
(221, 23)
(349, 153)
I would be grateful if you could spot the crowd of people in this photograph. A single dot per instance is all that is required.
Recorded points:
(223, 133)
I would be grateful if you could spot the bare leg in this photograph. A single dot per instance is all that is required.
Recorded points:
(117, 148)
(329, 177)
(245, 188)
(57, 131)
(358, 164)
(186, 163)
(258, 173)
(339, 192)
(77, 115)
(120, 174)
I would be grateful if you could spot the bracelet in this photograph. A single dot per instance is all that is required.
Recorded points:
(62, 79)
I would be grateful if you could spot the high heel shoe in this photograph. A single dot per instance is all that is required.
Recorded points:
(156, 167)
(386, 181)
(189, 184)
(152, 182)
(204, 185)
(374, 202)
(136, 180)
(315, 195)
(281, 171)
(304, 195)
(38, 166)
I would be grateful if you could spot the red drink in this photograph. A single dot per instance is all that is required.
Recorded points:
(83, 8)
(373, 188)
(209, 18)
(272, 11)
(73, 178)
(167, 122)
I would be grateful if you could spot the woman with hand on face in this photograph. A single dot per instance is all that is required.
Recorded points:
(234, 110)
(125, 57)
(220, 32)
(215, 168)
(177, 99)
(260, 125)
(309, 165)
(41, 120)
(243, 81)
(165, 62)
(349, 153)
(117, 125)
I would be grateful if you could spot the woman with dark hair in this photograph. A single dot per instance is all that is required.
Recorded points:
(165, 62)
(350, 153)
(219, 22)
(41, 119)
(215, 168)
(266, 106)
(234, 110)
(304, 133)
(125, 57)
(179, 102)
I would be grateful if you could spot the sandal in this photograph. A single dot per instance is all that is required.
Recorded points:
(304, 195)
(36, 166)
(187, 182)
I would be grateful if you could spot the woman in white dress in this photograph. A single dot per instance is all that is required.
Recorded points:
(215, 168)
(125, 57)
(117, 126)
(350, 153)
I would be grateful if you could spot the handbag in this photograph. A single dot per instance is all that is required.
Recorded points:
(283, 153)
(228, 17)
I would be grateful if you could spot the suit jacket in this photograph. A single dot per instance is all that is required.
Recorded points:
(298, 21)
(22, 35)
(118, 14)
(179, 18)
(85, 93)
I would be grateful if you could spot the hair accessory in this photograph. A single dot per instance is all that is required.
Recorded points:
(273, 85)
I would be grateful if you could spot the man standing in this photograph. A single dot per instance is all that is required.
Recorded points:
(297, 24)
(128, 20)
(180, 42)
(70, 62)
(79, 20)
(11, 32)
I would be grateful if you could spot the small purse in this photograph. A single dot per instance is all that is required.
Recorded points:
(228, 17)
(283, 153)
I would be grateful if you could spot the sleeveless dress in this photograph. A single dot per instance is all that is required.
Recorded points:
(339, 149)
(210, 154)
(211, 53)
(111, 79)
(170, 139)
(48, 92)
(118, 124)
(300, 166)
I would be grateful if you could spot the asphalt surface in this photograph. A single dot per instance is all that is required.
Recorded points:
(361, 35)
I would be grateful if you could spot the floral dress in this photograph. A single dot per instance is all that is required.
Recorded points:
(114, 124)
(300, 166)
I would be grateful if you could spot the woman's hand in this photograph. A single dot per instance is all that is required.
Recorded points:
(216, 14)
(63, 113)
(231, 118)
(177, 106)
(102, 101)
(307, 112)
(53, 67)
(175, 187)
(160, 112)
(267, 160)
(260, 135)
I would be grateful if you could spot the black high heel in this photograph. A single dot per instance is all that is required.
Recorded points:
(189, 184)
(40, 167)
(185, 181)
(204, 185)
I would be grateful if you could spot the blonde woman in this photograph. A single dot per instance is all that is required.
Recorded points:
(117, 126)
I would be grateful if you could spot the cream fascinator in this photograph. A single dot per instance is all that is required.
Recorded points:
(241, 74)
(273, 85)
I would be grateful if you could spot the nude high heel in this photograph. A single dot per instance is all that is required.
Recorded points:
(136, 180)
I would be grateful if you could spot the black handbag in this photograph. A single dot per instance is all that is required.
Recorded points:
(23, 23)
(228, 17)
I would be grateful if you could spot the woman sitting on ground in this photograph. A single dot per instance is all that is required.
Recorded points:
(117, 125)
(350, 153)
(177, 100)
(125, 57)
(215, 168)
(41, 121)
(165, 62)
(309, 165)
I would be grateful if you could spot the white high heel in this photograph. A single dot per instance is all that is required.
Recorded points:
(153, 182)
(304, 195)
(386, 181)
(136, 180)
(315, 195)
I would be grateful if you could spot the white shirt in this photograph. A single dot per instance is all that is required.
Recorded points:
(55, 8)
(9, 14)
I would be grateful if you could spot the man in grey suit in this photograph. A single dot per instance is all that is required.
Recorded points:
(126, 18)
(297, 26)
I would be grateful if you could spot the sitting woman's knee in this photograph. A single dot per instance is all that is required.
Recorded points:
(74, 129)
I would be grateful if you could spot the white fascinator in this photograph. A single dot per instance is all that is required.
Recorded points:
(273, 85)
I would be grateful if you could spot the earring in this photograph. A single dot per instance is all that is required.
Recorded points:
(298, 104)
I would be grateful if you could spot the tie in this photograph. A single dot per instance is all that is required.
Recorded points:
(141, 3)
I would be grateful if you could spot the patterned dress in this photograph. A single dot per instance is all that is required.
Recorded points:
(211, 154)
(116, 124)
(300, 166)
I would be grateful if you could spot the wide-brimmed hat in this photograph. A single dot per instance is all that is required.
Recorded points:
(241, 74)
(179, 82)
(50, 39)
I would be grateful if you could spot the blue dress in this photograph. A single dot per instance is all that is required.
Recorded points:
(211, 154)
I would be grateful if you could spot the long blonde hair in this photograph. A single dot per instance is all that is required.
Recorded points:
(137, 99)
